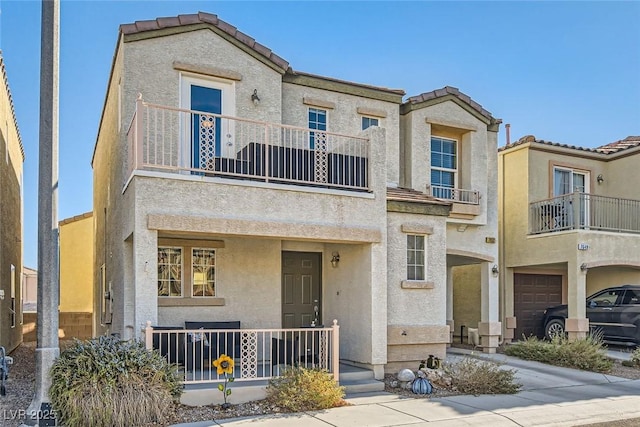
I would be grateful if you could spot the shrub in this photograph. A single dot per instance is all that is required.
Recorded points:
(300, 389)
(108, 382)
(634, 362)
(587, 353)
(473, 376)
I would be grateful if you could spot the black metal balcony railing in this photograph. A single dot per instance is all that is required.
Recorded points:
(584, 211)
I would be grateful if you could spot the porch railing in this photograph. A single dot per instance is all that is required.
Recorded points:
(458, 195)
(584, 211)
(184, 141)
(258, 354)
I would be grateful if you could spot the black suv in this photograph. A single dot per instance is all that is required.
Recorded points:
(615, 312)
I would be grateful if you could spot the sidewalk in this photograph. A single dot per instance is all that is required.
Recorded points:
(550, 396)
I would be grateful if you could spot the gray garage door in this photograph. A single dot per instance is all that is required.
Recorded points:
(532, 294)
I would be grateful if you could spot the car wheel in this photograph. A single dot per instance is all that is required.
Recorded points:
(554, 328)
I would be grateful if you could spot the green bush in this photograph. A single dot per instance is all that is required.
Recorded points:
(300, 389)
(634, 362)
(107, 382)
(473, 376)
(587, 353)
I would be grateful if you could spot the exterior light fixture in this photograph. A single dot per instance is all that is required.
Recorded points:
(494, 269)
(600, 179)
(584, 267)
(335, 259)
(255, 98)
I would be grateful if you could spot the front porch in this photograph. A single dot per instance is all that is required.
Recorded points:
(259, 355)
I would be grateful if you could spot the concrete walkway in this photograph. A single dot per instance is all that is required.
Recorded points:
(550, 396)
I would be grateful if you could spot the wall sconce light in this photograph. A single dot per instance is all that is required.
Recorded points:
(494, 269)
(335, 259)
(255, 98)
(584, 267)
(600, 179)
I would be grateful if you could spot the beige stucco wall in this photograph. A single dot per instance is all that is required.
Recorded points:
(76, 265)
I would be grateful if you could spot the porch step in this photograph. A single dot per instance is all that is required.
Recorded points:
(358, 380)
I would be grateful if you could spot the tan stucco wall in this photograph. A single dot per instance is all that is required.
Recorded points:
(466, 298)
(11, 217)
(76, 265)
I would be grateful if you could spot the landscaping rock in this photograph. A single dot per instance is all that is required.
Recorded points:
(406, 375)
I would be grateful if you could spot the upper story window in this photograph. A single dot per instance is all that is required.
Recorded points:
(444, 166)
(415, 257)
(317, 120)
(368, 122)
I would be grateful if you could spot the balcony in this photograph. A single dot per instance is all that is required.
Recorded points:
(583, 211)
(456, 195)
(187, 142)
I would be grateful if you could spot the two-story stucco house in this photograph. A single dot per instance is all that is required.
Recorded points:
(229, 187)
(11, 162)
(570, 226)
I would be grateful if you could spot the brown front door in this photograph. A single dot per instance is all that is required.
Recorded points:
(301, 289)
(532, 294)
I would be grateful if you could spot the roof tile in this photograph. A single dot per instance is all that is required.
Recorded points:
(189, 19)
(614, 147)
(146, 25)
(209, 18)
(401, 194)
(450, 90)
(168, 22)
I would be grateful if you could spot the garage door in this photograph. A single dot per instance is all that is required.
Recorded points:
(532, 294)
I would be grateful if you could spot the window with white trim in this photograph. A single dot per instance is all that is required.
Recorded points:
(369, 121)
(317, 120)
(415, 257)
(444, 166)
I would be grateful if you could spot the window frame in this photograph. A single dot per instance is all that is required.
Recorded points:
(12, 307)
(187, 246)
(370, 119)
(182, 265)
(192, 278)
(316, 110)
(454, 171)
(416, 250)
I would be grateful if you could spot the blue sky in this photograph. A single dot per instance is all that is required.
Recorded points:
(567, 72)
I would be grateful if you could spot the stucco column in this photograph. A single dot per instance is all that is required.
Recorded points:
(577, 324)
(378, 156)
(144, 302)
(489, 327)
(509, 317)
(450, 321)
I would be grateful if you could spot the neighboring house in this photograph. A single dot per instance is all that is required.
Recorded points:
(570, 226)
(11, 214)
(76, 281)
(238, 189)
(76, 276)
(29, 289)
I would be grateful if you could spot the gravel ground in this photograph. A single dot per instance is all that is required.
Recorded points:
(21, 383)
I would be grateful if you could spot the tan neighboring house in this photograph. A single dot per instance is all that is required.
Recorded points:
(237, 189)
(11, 214)
(570, 226)
(76, 281)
